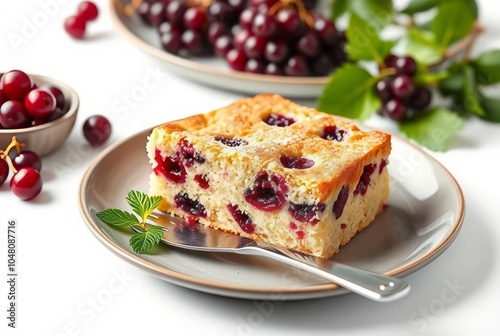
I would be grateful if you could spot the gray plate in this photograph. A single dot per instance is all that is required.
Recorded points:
(424, 215)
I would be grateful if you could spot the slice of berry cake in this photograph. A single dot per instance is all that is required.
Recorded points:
(272, 170)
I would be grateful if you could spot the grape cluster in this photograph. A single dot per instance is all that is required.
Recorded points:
(26, 183)
(23, 103)
(401, 98)
(274, 37)
(76, 25)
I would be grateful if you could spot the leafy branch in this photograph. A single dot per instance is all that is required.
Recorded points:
(142, 205)
(442, 47)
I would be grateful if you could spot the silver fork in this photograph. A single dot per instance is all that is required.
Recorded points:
(179, 233)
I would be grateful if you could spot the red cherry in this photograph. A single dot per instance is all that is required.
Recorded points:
(97, 129)
(4, 171)
(75, 26)
(16, 84)
(88, 10)
(26, 183)
(40, 103)
(58, 94)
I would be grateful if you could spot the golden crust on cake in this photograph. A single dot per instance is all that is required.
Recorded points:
(297, 162)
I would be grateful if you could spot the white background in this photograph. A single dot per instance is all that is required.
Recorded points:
(61, 265)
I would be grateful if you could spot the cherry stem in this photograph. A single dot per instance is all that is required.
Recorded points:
(4, 154)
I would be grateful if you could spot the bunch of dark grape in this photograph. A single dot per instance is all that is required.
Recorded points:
(401, 98)
(274, 37)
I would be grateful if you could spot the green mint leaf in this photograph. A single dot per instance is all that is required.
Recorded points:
(418, 6)
(422, 46)
(377, 12)
(364, 42)
(433, 129)
(144, 241)
(491, 108)
(453, 22)
(117, 217)
(487, 67)
(350, 93)
(142, 204)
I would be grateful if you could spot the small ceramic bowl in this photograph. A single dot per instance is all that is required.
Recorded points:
(44, 139)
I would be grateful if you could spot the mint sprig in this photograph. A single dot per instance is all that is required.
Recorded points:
(142, 205)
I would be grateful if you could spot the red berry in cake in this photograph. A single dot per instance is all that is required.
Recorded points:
(332, 132)
(75, 26)
(306, 213)
(16, 84)
(188, 154)
(202, 181)
(296, 162)
(383, 164)
(279, 120)
(88, 10)
(97, 129)
(234, 142)
(340, 202)
(189, 206)
(171, 168)
(364, 180)
(242, 218)
(268, 192)
(26, 183)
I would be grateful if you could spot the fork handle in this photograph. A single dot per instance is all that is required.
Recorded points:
(377, 287)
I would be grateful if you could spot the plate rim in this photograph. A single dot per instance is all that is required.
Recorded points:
(240, 291)
(201, 68)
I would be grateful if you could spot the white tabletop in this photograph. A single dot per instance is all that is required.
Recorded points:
(63, 268)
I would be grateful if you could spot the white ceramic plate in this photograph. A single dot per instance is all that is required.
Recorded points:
(424, 215)
(210, 70)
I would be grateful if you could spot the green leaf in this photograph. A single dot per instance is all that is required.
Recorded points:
(422, 46)
(454, 83)
(117, 217)
(364, 42)
(350, 93)
(142, 242)
(142, 204)
(339, 8)
(434, 129)
(418, 6)
(461, 84)
(377, 12)
(453, 22)
(487, 67)
(491, 108)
